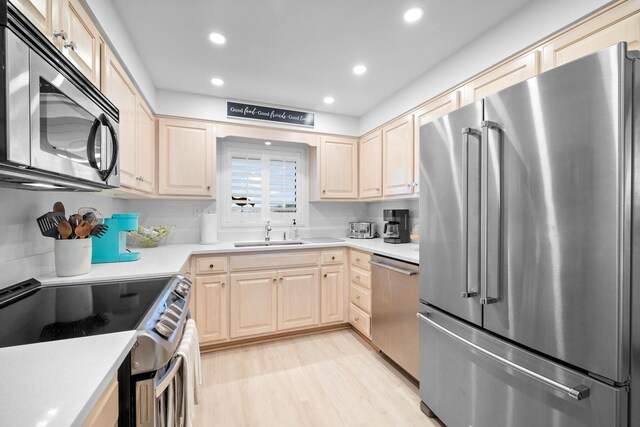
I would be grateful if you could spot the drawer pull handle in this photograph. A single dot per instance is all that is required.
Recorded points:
(578, 392)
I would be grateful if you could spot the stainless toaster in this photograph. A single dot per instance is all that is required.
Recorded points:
(362, 230)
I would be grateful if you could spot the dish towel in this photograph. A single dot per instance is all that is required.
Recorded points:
(191, 375)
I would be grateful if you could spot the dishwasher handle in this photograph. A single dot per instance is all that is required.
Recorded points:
(396, 269)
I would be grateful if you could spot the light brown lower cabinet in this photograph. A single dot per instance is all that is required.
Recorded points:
(253, 303)
(297, 298)
(105, 412)
(332, 294)
(212, 307)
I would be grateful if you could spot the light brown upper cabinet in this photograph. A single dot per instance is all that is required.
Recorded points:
(84, 44)
(397, 159)
(145, 148)
(429, 112)
(121, 91)
(43, 14)
(338, 167)
(371, 165)
(186, 158)
(508, 74)
(596, 34)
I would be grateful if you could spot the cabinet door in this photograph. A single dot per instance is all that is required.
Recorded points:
(397, 140)
(84, 44)
(186, 158)
(431, 111)
(297, 298)
(212, 308)
(253, 304)
(590, 37)
(145, 148)
(371, 165)
(339, 168)
(506, 75)
(40, 13)
(119, 89)
(332, 294)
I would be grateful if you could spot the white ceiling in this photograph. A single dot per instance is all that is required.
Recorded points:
(295, 52)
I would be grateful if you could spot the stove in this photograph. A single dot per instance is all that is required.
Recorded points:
(156, 308)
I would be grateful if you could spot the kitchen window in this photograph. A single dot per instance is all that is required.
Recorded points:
(263, 183)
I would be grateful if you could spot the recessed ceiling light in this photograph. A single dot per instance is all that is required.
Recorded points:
(413, 14)
(359, 69)
(329, 100)
(267, 143)
(217, 82)
(217, 38)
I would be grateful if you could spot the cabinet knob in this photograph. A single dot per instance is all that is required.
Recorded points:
(141, 178)
(358, 277)
(61, 34)
(357, 319)
(210, 265)
(281, 279)
(223, 284)
(333, 258)
(208, 187)
(408, 185)
(357, 259)
(357, 296)
(275, 280)
(70, 45)
(325, 275)
(324, 191)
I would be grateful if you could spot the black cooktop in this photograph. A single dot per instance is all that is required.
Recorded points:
(59, 312)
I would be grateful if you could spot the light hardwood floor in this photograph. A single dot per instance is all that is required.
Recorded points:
(331, 379)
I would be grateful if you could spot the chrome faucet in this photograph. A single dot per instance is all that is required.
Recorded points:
(267, 230)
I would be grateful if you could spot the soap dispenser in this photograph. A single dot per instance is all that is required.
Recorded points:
(293, 231)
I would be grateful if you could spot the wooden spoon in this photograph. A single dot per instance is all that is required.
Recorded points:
(74, 220)
(64, 228)
(83, 229)
(59, 207)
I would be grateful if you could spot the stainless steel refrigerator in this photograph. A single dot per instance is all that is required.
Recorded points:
(530, 223)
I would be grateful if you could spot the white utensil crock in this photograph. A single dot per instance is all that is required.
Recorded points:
(73, 257)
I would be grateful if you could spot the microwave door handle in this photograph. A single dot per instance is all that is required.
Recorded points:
(91, 151)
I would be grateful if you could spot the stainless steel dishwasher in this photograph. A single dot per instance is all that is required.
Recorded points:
(395, 300)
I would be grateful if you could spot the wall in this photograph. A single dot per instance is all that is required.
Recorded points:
(534, 22)
(110, 25)
(213, 108)
(325, 219)
(24, 252)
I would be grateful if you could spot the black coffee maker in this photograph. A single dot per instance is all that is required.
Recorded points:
(396, 226)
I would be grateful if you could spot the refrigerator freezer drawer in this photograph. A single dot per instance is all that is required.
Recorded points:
(469, 378)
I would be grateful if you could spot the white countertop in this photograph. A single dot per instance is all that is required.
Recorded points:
(57, 383)
(168, 260)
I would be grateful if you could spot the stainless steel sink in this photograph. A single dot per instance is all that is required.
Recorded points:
(263, 243)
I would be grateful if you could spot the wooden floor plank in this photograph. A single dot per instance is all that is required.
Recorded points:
(327, 380)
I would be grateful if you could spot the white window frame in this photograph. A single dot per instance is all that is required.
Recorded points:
(297, 151)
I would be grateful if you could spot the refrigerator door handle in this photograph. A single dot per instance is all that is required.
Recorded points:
(578, 392)
(470, 210)
(491, 211)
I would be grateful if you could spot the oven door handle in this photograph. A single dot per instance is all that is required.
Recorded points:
(91, 147)
(164, 382)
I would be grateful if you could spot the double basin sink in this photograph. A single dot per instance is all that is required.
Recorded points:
(263, 243)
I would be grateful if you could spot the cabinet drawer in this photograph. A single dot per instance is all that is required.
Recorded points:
(360, 320)
(360, 297)
(273, 260)
(332, 257)
(360, 259)
(211, 265)
(361, 277)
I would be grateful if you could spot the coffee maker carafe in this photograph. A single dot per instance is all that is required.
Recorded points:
(396, 226)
